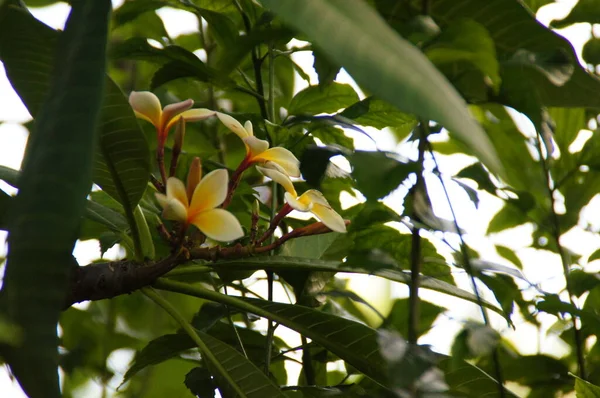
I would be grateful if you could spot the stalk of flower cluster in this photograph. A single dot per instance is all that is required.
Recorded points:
(284, 211)
(235, 179)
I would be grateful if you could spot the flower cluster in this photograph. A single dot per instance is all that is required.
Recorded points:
(202, 201)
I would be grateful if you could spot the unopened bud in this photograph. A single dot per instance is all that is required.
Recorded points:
(194, 176)
(177, 145)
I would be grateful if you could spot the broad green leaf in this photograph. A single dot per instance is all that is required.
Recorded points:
(251, 380)
(398, 316)
(377, 182)
(199, 382)
(322, 99)
(509, 23)
(585, 389)
(354, 36)
(581, 281)
(465, 53)
(130, 10)
(510, 255)
(353, 342)
(591, 51)
(278, 263)
(381, 246)
(308, 284)
(56, 179)
(521, 171)
(122, 159)
(94, 211)
(584, 11)
(594, 256)
(380, 114)
(326, 71)
(534, 5)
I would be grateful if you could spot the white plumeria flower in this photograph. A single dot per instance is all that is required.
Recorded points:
(311, 201)
(258, 150)
(201, 209)
(147, 106)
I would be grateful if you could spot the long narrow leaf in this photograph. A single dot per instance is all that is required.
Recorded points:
(234, 374)
(356, 37)
(56, 179)
(121, 158)
(351, 341)
(280, 263)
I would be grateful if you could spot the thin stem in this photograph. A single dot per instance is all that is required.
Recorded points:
(256, 64)
(275, 221)
(415, 257)
(189, 329)
(469, 270)
(556, 234)
(272, 83)
(160, 159)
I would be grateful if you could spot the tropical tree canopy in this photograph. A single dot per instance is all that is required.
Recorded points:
(266, 234)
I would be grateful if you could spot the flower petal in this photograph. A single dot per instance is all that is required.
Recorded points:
(256, 146)
(279, 177)
(248, 128)
(233, 125)
(210, 192)
(329, 217)
(218, 224)
(176, 190)
(191, 115)
(283, 158)
(297, 204)
(174, 210)
(146, 106)
(162, 199)
(314, 196)
(171, 111)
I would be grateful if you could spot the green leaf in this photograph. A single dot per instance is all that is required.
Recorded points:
(10, 176)
(353, 342)
(584, 389)
(380, 114)
(199, 382)
(466, 54)
(594, 256)
(508, 23)
(510, 255)
(591, 51)
(584, 11)
(6, 202)
(56, 179)
(322, 99)
(377, 182)
(354, 36)
(278, 263)
(251, 380)
(398, 316)
(324, 68)
(122, 158)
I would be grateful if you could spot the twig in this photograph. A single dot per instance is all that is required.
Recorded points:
(556, 233)
(415, 252)
(469, 270)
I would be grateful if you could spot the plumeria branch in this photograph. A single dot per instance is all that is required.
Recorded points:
(100, 281)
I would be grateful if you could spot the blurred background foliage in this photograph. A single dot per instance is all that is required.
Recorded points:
(438, 77)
